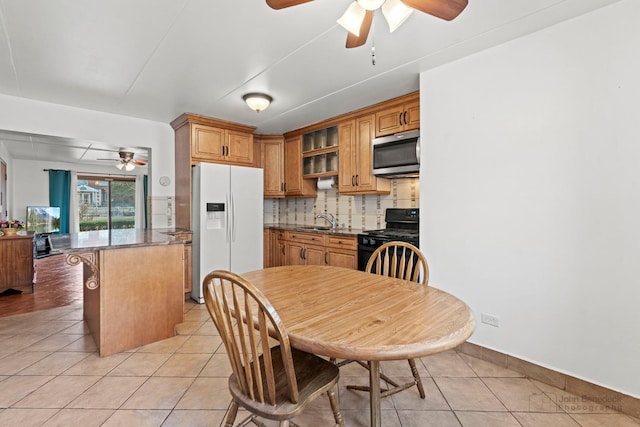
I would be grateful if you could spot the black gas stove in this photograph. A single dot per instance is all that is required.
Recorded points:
(402, 225)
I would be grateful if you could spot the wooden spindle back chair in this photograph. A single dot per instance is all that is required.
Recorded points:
(269, 379)
(400, 260)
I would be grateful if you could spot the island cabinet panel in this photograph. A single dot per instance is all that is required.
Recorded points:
(16, 255)
(139, 298)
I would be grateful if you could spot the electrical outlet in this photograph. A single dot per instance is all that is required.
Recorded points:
(490, 319)
(379, 212)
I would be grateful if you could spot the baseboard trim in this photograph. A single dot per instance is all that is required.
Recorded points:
(585, 390)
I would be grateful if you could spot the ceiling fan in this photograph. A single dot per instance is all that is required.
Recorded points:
(126, 161)
(359, 16)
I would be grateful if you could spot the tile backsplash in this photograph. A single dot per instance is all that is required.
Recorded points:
(360, 212)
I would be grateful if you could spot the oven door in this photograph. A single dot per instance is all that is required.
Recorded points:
(366, 246)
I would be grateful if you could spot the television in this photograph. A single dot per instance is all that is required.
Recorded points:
(43, 219)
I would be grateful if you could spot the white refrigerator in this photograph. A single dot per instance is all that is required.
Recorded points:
(227, 221)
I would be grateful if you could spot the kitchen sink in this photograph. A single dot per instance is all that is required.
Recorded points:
(314, 228)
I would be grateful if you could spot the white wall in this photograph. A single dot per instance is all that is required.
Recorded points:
(530, 193)
(24, 115)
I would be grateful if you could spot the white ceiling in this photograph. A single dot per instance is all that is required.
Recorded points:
(155, 59)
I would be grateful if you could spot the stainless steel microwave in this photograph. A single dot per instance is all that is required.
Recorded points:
(397, 155)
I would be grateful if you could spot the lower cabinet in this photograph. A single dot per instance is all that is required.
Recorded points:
(304, 248)
(342, 251)
(296, 248)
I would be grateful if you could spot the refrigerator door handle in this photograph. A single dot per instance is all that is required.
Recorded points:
(233, 219)
(228, 218)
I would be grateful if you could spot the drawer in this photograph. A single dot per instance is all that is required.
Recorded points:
(313, 238)
(342, 242)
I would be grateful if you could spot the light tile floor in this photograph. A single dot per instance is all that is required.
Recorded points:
(51, 375)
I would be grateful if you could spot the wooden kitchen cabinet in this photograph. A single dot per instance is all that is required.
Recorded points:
(399, 117)
(320, 153)
(301, 248)
(16, 255)
(274, 247)
(220, 145)
(341, 251)
(272, 161)
(355, 158)
(294, 184)
(204, 139)
(304, 248)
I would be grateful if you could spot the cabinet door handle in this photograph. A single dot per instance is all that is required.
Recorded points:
(353, 180)
(301, 253)
(285, 187)
(282, 249)
(400, 118)
(405, 118)
(326, 257)
(357, 180)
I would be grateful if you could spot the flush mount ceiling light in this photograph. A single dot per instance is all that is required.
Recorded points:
(359, 15)
(257, 101)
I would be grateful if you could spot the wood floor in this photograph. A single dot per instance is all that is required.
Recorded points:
(57, 284)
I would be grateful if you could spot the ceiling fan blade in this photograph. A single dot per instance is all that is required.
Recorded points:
(140, 162)
(444, 9)
(355, 41)
(281, 4)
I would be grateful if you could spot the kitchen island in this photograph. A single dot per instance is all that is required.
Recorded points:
(133, 284)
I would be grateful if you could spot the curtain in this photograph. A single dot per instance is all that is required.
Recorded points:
(59, 192)
(140, 202)
(74, 214)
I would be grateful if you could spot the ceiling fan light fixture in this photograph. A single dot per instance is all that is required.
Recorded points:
(352, 18)
(257, 101)
(395, 13)
(120, 165)
(370, 4)
(129, 166)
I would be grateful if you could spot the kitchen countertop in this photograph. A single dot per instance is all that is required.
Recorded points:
(319, 229)
(114, 239)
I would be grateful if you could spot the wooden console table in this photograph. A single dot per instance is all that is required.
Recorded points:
(16, 262)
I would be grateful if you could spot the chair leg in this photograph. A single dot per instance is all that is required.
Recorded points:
(335, 406)
(416, 377)
(232, 412)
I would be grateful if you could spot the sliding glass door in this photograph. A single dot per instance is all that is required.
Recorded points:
(106, 203)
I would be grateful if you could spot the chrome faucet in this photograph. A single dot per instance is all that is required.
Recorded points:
(329, 218)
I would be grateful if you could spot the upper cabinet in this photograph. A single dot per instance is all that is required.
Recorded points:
(272, 161)
(400, 115)
(203, 139)
(356, 176)
(320, 152)
(212, 140)
(294, 184)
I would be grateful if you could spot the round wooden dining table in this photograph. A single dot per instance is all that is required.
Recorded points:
(349, 314)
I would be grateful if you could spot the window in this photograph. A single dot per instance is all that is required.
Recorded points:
(106, 202)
